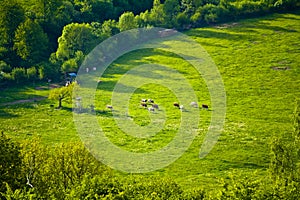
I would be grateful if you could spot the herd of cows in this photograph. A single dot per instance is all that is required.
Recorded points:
(151, 106)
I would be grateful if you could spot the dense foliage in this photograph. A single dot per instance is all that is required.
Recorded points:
(68, 171)
(53, 36)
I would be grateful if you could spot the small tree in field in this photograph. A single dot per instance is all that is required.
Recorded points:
(62, 94)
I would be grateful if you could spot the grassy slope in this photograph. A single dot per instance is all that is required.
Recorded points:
(260, 100)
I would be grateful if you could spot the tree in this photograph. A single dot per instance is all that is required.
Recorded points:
(31, 43)
(11, 15)
(10, 163)
(31, 74)
(76, 37)
(19, 75)
(93, 10)
(4, 67)
(73, 64)
(171, 8)
(62, 94)
(157, 14)
(127, 21)
(109, 28)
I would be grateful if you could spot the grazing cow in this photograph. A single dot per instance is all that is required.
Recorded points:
(151, 109)
(155, 106)
(109, 107)
(194, 104)
(144, 105)
(176, 104)
(150, 101)
(204, 106)
(144, 100)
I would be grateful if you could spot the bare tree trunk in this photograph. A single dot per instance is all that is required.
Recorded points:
(59, 102)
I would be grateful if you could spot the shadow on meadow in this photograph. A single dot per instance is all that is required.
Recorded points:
(258, 26)
(4, 114)
(236, 164)
(216, 34)
(110, 86)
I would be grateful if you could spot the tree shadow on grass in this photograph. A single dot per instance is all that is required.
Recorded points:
(248, 165)
(216, 34)
(110, 85)
(5, 115)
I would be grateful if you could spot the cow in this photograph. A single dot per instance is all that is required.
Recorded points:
(176, 104)
(150, 101)
(109, 107)
(155, 106)
(144, 105)
(204, 106)
(194, 104)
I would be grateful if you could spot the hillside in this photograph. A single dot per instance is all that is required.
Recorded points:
(258, 60)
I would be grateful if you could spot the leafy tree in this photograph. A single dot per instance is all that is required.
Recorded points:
(157, 14)
(109, 28)
(11, 15)
(171, 8)
(127, 21)
(4, 67)
(48, 70)
(10, 163)
(120, 6)
(19, 75)
(51, 15)
(182, 20)
(31, 43)
(73, 64)
(143, 19)
(62, 94)
(58, 14)
(31, 74)
(54, 172)
(93, 10)
(76, 37)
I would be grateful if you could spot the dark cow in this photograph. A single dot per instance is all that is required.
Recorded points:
(176, 104)
(109, 107)
(155, 106)
(204, 106)
(144, 105)
(150, 101)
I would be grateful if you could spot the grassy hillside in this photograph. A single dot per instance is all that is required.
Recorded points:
(259, 63)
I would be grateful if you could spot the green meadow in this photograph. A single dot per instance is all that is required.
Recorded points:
(258, 60)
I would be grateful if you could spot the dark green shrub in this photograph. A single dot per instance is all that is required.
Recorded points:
(10, 163)
(19, 75)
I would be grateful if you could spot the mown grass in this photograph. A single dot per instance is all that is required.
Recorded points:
(251, 55)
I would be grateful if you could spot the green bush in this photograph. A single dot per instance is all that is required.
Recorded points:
(10, 163)
(19, 75)
(4, 67)
(31, 73)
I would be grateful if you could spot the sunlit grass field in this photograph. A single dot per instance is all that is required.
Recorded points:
(260, 66)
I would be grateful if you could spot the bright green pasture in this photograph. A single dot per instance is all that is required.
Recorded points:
(259, 63)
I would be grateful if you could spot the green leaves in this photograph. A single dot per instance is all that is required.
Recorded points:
(75, 37)
(10, 163)
(31, 43)
(62, 94)
(127, 21)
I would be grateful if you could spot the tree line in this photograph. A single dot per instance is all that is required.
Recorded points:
(42, 39)
(31, 171)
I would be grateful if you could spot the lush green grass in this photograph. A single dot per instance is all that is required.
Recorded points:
(260, 100)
